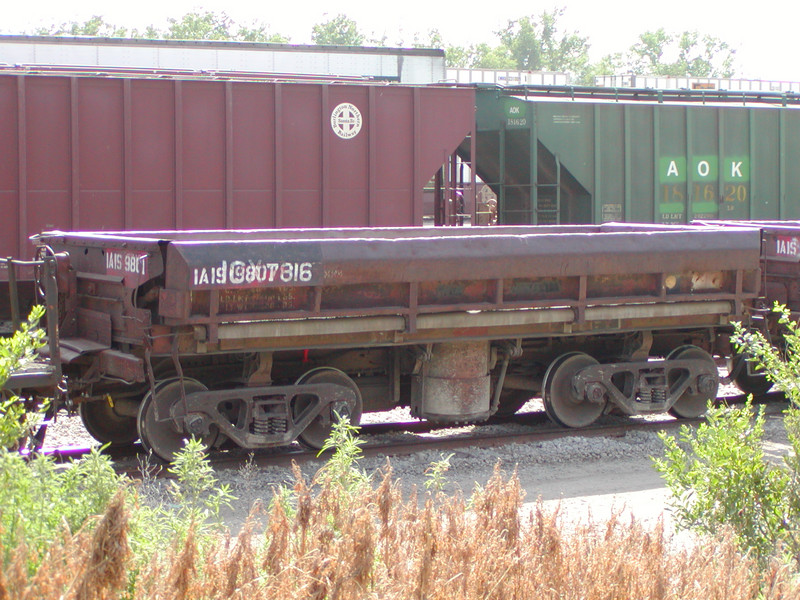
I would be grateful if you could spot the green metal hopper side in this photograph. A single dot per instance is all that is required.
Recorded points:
(585, 155)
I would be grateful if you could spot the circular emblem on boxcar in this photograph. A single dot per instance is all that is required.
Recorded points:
(346, 120)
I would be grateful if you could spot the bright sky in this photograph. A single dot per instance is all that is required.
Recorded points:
(764, 35)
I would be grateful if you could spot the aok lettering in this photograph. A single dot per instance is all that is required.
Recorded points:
(703, 168)
(675, 169)
(240, 273)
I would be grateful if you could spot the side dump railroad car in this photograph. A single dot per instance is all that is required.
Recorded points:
(263, 337)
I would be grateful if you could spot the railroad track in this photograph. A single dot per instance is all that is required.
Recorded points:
(406, 438)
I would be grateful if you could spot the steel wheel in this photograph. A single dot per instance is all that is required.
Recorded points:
(107, 426)
(750, 383)
(561, 402)
(692, 405)
(163, 437)
(320, 428)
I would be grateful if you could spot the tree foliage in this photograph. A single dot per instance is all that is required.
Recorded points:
(454, 55)
(538, 44)
(678, 54)
(194, 25)
(96, 26)
(338, 31)
(531, 43)
(218, 26)
(197, 26)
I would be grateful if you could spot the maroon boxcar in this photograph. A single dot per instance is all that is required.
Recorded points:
(83, 151)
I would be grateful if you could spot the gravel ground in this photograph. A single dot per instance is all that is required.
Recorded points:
(585, 477)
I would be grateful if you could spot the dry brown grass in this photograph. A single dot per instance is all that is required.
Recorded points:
(90, 565)
(380, 543)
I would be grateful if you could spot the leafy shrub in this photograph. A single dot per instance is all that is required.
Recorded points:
(191, 502)
(17, 418)
(342, 470)
(17, 350)
(719, 475)
(39, 498)
(435, 479)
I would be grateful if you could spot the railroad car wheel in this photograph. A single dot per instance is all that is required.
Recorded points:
(692, 405)
(750, 383)
(107, 426)
(163, 438)
(562, 404)
(319, 429)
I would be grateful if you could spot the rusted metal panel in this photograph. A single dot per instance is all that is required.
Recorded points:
(348, 332)
(174, 303)
(781, 248)
(94, 326)
(42, 375)
(299, 289)
(132, 260)
(469, 257)
(122, 365)
(781, 239)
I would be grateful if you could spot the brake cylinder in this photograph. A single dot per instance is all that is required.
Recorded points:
(453, 384)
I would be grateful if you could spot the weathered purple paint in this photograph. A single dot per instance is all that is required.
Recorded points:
(86, 153)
